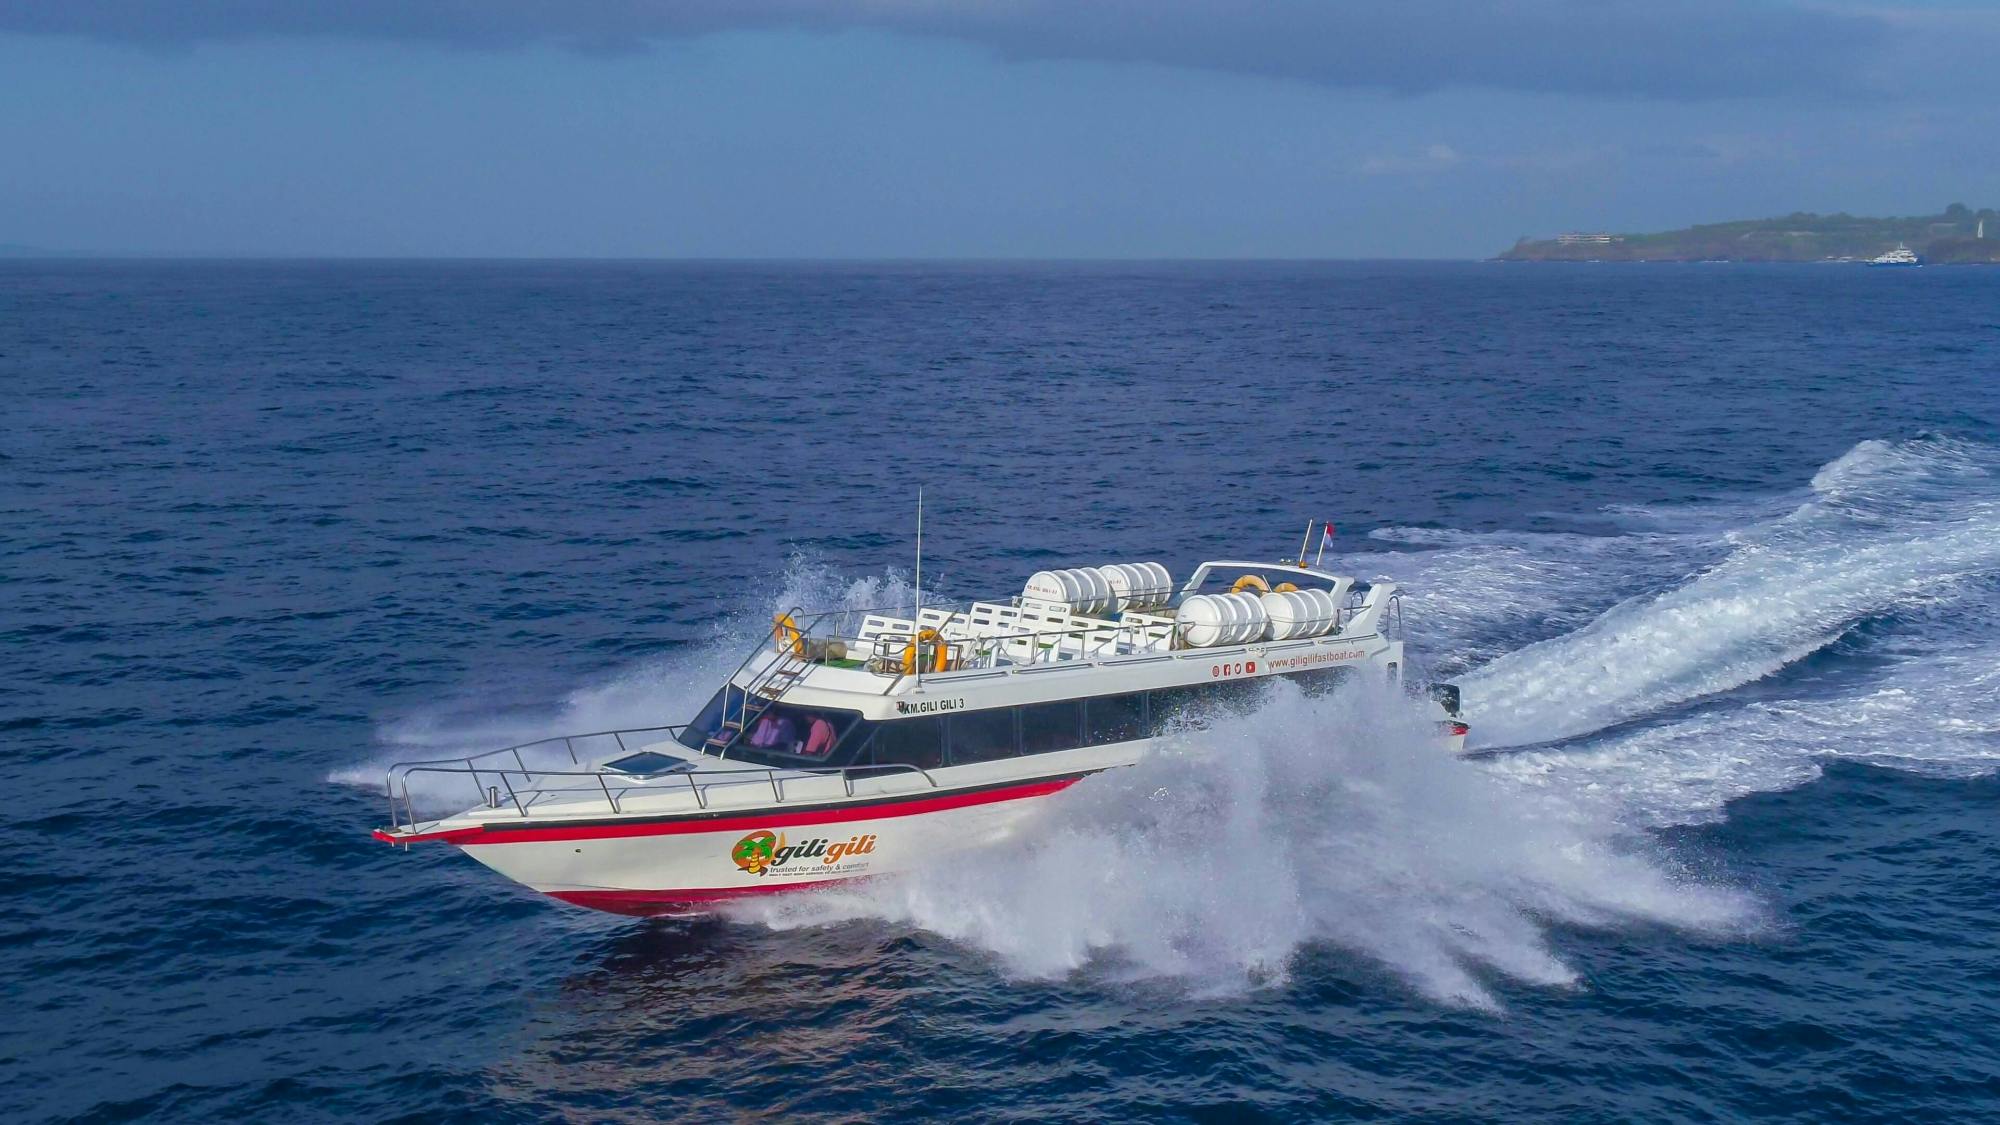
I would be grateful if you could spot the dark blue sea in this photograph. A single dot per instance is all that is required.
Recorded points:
(1714, 552)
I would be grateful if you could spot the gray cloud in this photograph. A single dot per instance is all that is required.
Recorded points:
(1680, 49)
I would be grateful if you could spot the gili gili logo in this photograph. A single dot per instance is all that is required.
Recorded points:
(758, 852)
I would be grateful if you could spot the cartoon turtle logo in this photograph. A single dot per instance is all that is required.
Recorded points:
(754, 853)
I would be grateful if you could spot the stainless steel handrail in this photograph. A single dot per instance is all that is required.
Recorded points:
(984, 651)
(473, 764)
(672, 729)
(766, 675)
(697, 782)
(987, 650)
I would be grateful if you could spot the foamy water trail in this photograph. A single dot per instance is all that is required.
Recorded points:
(1887, 528)
(1472, 597)
(1333, 821)
(1937, 713)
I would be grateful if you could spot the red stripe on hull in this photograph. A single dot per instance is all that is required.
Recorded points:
(833, 814)
(654, 904)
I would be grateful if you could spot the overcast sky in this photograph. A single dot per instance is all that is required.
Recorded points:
(972, 128)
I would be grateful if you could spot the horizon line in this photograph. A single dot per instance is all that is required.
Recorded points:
(39, 254)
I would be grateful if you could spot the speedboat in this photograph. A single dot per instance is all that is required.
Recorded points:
(1901, 256)
(855, 743)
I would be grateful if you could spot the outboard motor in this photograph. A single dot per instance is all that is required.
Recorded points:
(1447, 697)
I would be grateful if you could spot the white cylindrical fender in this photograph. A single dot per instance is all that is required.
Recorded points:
(1082, 589)
(1325, 611)
(1299, 613)
(1212, 620)
(1203, 621)
(1236, 616)
(1139, 585)
(1290, 616)
(1049, 586)
(1256, 622)
(1096, 599)
(1086, 590)
(1247, 620)
(1126, 588)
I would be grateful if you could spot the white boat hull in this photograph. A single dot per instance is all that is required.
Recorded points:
(683, 866)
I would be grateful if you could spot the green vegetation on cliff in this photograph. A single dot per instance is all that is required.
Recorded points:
(1951, 237)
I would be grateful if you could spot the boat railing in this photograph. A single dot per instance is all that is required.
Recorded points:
(525, 787)
(1144, 634)
(568, 742)
(1054, 646)
(492, 761)
(889, 646)
(905, 648)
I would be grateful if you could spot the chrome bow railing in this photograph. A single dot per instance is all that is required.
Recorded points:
(498, 785)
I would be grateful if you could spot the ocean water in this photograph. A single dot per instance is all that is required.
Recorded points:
(1714, 552)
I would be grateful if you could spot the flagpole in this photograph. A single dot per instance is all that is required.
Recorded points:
(1325, 533)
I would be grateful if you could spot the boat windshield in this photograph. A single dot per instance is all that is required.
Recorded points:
(780, 734)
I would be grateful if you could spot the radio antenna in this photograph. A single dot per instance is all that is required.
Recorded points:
(917, 622)
(1306, 542)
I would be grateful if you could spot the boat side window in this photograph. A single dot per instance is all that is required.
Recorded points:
(909, 742)
(800, 732)
(852, 747)
(1114, 718)
(709, 721)
(1051, 726)
(982, 736)
(781, 734)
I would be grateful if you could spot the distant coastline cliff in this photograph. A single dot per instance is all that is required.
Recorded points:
(1957, 235)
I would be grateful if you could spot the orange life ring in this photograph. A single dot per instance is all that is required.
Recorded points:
(785, 634)
(1251, 582)
(940, 652)
(1284, 588)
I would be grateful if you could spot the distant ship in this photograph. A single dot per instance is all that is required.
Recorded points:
(1900, 256)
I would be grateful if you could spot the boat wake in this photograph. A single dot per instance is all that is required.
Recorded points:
(1645, 670)
(1888, 530)
(1858, 624)
(1328, 822)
